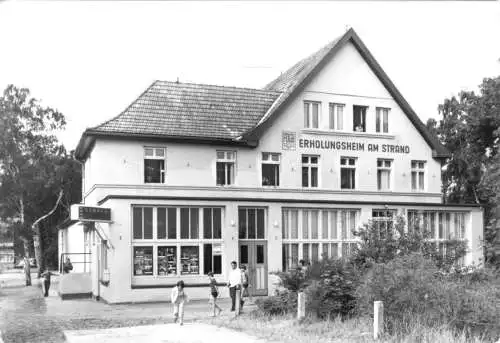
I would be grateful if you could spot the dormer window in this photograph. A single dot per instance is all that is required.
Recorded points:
(154, 165)
(359, 118)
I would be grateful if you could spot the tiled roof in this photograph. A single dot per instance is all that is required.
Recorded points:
(230, 114)
(191, 110)
(300, 70)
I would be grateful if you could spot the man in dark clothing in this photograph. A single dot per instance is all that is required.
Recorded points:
(67, 266)
(46, 282)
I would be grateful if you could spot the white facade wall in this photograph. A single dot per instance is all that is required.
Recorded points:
(114, 178)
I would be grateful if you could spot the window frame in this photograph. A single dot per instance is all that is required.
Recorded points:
(417, 170)
(308, 114)
(163, 172)
(270, 161)
(309, 165)
(382, 169)
(226, 161)
(381, 119)
(351, 167)
(365, 110)
(333, 108)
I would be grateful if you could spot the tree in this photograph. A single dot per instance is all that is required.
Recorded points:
(36, 172)
(469, 128)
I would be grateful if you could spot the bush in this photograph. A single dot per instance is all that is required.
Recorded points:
(381, 242)
(412, 289)
(283, 302)
(334, 293)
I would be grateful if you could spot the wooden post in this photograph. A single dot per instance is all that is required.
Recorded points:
(301, 305)
(238, 299)
(378, 319)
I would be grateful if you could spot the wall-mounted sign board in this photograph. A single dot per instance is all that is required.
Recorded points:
(90, 214)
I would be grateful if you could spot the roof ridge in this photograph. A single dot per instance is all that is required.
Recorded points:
(126, 109)
(220, 86)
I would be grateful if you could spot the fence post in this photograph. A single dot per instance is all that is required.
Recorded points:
(238, 299)
(301, 305)
(378, 319)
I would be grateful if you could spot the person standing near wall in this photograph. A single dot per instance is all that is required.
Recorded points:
(179, 298)
(234, 283)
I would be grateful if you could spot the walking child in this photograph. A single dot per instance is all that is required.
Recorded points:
(244, 283)
(179, 298)
(214, 293)
(46, 282)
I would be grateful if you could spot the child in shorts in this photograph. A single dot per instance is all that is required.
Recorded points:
(179, 298)
(214, 293)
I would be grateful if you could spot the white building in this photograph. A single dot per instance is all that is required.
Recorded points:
(199, 175)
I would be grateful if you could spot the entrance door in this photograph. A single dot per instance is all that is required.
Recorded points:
(253, 254)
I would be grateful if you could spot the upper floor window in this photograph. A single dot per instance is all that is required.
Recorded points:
(270, 169)
(417, 175)
(382, 120)
(311, 114)
(336, 116)
(225, 167)
(359, 118)
(154, 165)
(309, 171)
(347, 172)
(384, 174)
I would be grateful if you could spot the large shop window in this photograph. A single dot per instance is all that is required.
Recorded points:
(442, 226)
(417, 175)
(311, 114)
(324, 233)
(336, 116)
(225, 167)
(154, 165)
(347, 172)
(270, 169)
(251, 223)
(174, 241)
(359, 118)
(310, 171)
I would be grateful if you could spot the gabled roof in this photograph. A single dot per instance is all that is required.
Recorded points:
(294, 80)
(230, 115)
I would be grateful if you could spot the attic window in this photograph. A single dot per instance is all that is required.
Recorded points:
(359, 118)
(311, 114)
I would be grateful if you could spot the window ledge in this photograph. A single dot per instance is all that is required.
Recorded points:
(348, 134)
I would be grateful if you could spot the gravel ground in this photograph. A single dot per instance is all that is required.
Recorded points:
(26, 316)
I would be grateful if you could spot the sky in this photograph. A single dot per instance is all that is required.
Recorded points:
(90, 59)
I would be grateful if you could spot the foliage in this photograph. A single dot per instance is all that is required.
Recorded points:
(34, 167)
(381, 242)
(470, 128)
(282, 303)
(334, 294)
(412, 289)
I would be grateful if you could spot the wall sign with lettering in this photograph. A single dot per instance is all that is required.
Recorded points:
(352, 146)
(89, 213)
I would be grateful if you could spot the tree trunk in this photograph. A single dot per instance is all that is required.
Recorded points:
(36, 236)
(38, 252)
(27, 269)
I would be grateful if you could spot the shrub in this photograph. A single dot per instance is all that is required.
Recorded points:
(381, 242)
(412, 289)
(283, 302)
(333, 293)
